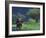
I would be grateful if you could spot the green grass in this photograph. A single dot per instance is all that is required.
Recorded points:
(30, 25)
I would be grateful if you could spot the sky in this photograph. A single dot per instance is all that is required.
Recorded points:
(21, 11)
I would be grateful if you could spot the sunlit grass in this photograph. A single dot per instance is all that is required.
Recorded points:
(29, 26)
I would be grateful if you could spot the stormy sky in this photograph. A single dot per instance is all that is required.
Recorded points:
(22, 12)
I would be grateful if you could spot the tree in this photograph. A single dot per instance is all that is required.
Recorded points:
(34, 13)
